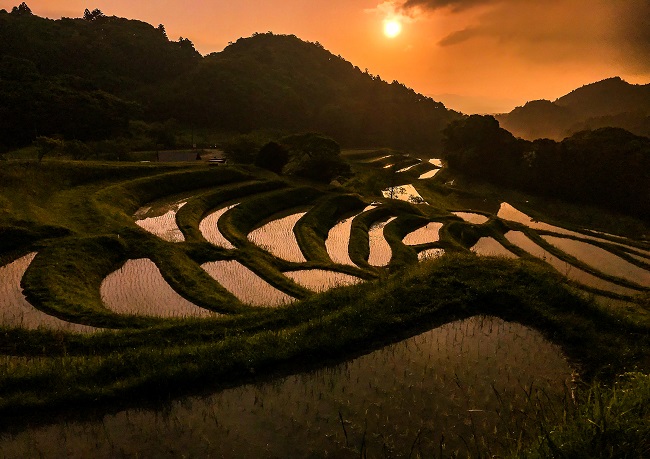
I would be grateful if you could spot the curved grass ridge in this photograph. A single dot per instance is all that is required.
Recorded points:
(321, 328)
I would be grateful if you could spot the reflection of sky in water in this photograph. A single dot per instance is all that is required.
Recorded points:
(278, 238)
(210, 230)
(380, 251)
(320, 280)
(247, 286)
(488, 246)
(338, 239)
(15, 310)
(462, 379)
(576, 274)
(601, 259)
(164, 226)
(403, 193)
(472, 217)
(428, 175)
(138, 287)
(424, 235)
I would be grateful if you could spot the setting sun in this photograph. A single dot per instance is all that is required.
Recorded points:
(392, 28)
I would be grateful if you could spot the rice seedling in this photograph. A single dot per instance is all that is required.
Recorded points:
(247, 286)
(320, 280)
(139, 288)
(380, 251)
(164, 226)
(15, 310)
(472, 217)
(278, 238)
(488, 246)
(210, 231)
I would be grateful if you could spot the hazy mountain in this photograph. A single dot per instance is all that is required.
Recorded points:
(121, 69)
(607, 103)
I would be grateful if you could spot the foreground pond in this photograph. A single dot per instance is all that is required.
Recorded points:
(479, 381)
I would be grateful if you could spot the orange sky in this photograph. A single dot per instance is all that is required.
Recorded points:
(473, 55)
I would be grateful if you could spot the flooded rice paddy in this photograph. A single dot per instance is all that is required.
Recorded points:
(436, 162)
(380, 251)
(428, 175)
(320, 280)
(247, 286)
(601, 260)
(278, 238)
(338, 240)
(160, 220)
(403, 193)
(452, 389)
(472, 217)
(15, 310)
(428, 233)
(488, 246)
(210, 231)
(139, 288)
(571, 272)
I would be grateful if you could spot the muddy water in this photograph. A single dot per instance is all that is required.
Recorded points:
(576, 274)
(161, 221)
(380, 251)
(424, 235)
(210, 230)
(15, 311)
(247, 286)
(465, 380)
(601, 259)
(472, 217)
(139, 288)
(320, 280)
(488, 246)
(278, 238)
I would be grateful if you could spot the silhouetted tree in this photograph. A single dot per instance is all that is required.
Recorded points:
(315, 157)
(161, 29)
(93, 15)
(273, 157)
(21, 9)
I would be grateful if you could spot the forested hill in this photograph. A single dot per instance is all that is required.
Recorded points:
(86, 78)
(607, 103)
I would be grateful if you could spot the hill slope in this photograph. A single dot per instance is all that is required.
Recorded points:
(607, 103)
(263, 82)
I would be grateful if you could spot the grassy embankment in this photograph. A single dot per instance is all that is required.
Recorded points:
(83, 229)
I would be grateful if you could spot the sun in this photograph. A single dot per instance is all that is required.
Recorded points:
(392, 28)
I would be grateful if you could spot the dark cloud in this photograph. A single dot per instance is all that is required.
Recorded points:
(455, 5)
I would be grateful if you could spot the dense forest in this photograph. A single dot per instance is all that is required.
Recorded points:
(89, 78)
(608, 166)
(607, 103)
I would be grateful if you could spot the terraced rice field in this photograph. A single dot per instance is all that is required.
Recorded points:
(139, 288)
(472, 217)
(277, 237)
(320, 280)
(162, 225)
(338, 240)
(247, 286)
(424, 235)
(15, 311)
(403, 193)
(380, 251)
(210, 230)
(488, 246)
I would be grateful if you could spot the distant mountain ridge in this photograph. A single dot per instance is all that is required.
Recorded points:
(608, 103)
(119, 70)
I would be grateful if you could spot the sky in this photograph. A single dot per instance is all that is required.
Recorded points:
(475, 56)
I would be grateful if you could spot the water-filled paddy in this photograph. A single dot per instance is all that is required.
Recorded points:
(403, 193)
(488, 246)
(247, 286)
(576, 274)
(278, 238)
(380, 251)
(472, 217)
(466, 380)
(338, 240)
(210, 230)
(601, 260)
(138, 287)
(15, 310)
(428, 175)
(320, 280)
(160, 220)
(428, 233)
